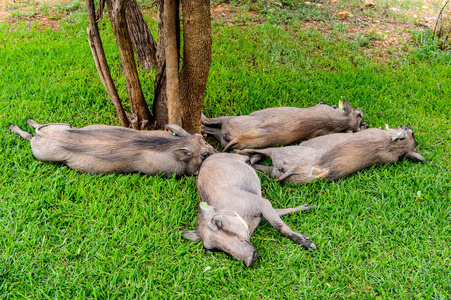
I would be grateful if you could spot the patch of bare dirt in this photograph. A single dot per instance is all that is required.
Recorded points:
(43, 12)
(388, 39)
(3, 13)
(386, 33)
(386, 27)
(226, 12)
(222, 10)
(379, 39)
(49, 23)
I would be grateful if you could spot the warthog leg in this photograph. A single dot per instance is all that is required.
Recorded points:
(285, 211)
(272, 216)
(15, 129)
(33, 124)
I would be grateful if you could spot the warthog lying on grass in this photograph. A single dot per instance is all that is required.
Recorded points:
(233, 206)
(113, 149)
(282, 125)
(337, 155)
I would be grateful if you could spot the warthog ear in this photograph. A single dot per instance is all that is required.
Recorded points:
(192, 235)
(230, 145)
(205, 208)
(348, 108)
(183, 154)
(415, 156)
(401, 135)
(174, 128)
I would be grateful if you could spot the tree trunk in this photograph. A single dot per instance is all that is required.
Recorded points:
(172, 62)
(185, 90)
(142, 118)
(142, 40)
(196, 61)
(160, 103)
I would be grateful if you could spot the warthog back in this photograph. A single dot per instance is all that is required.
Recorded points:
(282, 125)
(113, 149)
(337, 155)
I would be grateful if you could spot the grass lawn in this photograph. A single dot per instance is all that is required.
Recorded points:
(384, 233)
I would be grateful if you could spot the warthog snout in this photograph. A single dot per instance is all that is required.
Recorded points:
(251, 260)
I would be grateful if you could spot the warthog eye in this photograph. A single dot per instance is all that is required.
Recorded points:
(205, 154)
(218, 224)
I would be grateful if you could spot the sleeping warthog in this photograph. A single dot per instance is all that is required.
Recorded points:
(337, 155)
(233, 206)
(113, 149)
(282, 125)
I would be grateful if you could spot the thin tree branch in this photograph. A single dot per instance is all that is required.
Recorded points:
(438, 18)
(99, 11)
(101, 63)
(138, 104)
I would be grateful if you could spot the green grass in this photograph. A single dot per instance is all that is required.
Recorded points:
(384, 233)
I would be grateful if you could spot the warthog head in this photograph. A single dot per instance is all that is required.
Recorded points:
(224, 231)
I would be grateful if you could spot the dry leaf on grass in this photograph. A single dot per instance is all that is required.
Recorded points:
(343, 14)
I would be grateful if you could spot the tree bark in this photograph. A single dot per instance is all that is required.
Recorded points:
(160, 105)
(142, 118)
(172, 62)
(178, 97)
(101, 64)
(142, 40)
(99, 11)
(196, 60)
